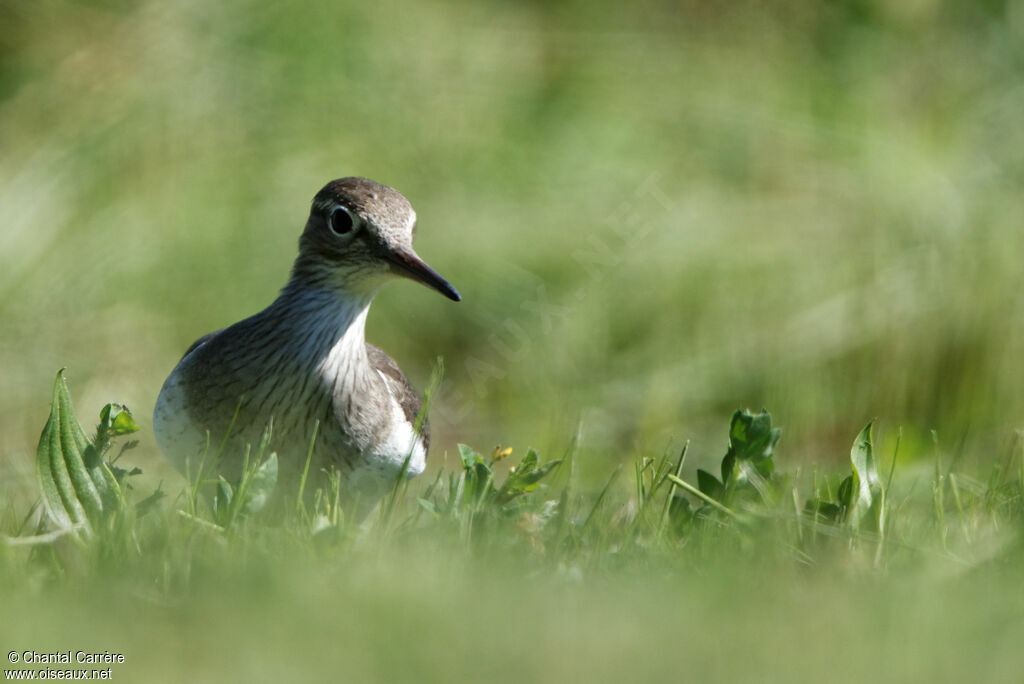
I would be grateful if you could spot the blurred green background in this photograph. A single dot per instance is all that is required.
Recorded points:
(656, 211)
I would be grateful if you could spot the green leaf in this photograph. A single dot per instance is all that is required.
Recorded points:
(118, 420)
(149, 503)
(752, 439)
(751, 436)
(428, 506)
(121, 473)
(534, 476)
(528, 471)
(823, 509)
(77, 486)
(479, 478)
(709, 484)
(866, 496)
(469, 457)
(525, 477)
(680, 512)
(845, 493)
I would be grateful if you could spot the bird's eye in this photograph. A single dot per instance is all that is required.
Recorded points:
(341, 221)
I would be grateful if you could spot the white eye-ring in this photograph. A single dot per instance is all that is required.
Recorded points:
(342, 221)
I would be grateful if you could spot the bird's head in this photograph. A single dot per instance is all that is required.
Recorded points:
(359, 235)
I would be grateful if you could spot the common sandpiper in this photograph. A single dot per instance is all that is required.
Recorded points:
(304, 361)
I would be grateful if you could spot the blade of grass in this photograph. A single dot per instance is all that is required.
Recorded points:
(678, 472)
(702, 496)
(300, 506)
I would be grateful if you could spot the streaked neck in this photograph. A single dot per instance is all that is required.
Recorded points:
(327, 327)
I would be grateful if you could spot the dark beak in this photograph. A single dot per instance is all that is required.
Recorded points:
(405, 262)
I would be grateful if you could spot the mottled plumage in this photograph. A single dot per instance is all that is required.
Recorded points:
(304, 358)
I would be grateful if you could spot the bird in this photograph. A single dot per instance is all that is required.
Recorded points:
(302, 364)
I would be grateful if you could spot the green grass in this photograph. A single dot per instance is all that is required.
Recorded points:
(656, 213)
(481, 574)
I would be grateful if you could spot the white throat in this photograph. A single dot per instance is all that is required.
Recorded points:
(332, 325)
(364, 401)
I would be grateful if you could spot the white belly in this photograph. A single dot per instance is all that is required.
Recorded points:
(177, 437)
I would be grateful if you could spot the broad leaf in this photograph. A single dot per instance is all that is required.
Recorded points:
(823, 509)
(525, 477)
(117, 420)
(469, 457)
(77, 486)
(865, 498)
(752, 439)
(709, 484)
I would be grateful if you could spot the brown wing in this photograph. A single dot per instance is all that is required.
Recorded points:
(406, 394)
